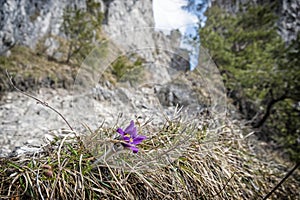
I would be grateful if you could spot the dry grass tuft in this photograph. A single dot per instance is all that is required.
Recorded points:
(226, 168)
(32, 70)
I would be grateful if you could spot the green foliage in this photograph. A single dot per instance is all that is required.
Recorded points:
(260, 72)
(243, 49)
(128, 68)
(82, 28)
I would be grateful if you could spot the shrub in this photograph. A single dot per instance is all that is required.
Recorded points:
(82, 28)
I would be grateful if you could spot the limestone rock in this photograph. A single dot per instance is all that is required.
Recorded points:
(26, 22)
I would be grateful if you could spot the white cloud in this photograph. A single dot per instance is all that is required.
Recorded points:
(169, 15)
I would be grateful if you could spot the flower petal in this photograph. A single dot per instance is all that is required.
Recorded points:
(119, 130)
(127, 145)
(130, 128)
(133, 132)
(126, 139)
(134, 149)
(138, 139)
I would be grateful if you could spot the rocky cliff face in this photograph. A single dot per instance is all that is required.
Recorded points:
(25, 22)
(289, 23)
(130, 25)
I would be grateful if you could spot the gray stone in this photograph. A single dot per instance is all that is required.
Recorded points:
(26, 22)
(177, 94)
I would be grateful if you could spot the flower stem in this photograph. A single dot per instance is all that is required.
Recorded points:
(114, 149)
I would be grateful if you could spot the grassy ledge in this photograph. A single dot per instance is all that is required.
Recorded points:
(226, 169)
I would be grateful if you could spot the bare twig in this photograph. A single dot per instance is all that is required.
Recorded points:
(225, 185)
(44, 103)
(282, 180)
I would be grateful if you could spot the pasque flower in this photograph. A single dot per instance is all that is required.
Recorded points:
(130, 136)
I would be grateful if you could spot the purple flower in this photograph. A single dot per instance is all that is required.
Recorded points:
(130, 136)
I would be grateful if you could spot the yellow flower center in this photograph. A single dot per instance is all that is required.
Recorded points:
(128, 135)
